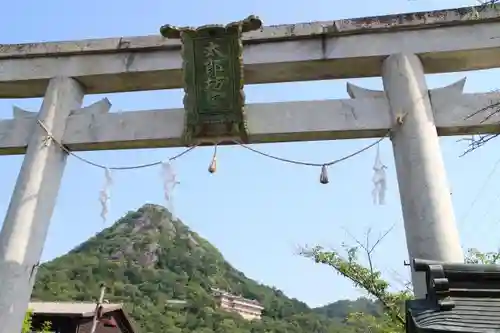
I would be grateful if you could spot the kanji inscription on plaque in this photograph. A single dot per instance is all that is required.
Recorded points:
(213, 80)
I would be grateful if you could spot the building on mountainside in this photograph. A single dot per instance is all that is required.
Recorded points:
(247, 308)
(460, 298)
(67, 317)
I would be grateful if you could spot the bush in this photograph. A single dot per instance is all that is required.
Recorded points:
(27, 324)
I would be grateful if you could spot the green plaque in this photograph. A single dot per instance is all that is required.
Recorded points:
(214, 99)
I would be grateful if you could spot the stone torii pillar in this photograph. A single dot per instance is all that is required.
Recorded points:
(429, 220)
(28, 217)
(431, 231)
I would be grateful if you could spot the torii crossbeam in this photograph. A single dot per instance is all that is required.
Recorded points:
(366, 115)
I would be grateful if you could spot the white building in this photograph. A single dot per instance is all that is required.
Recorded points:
(247, 308)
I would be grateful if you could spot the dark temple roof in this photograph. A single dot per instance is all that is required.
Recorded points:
(460, 298)
(113, 317)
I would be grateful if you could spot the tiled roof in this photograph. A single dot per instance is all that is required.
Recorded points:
(460, 298)
(67, 308)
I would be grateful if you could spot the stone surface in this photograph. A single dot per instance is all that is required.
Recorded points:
(429, 220)
(394, 22)
(297, 52)
(213, 80)
(28, 217)
(365, 116)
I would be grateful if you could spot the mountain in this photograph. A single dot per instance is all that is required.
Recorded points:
(340, 309)
(146, 259)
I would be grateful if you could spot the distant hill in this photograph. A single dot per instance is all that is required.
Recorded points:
(146, 259)
(340, 309)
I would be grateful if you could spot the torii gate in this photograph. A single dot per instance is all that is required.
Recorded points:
(400, 48)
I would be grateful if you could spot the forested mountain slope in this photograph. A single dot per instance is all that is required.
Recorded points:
(146, 259)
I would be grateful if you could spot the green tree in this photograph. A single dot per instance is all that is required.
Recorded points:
(347, 264)
(474, 256)
(28, 327)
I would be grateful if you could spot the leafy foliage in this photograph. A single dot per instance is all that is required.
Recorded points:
(147, 259)
(27, 324)
(342, 308)
(474, 256)
(369, 279)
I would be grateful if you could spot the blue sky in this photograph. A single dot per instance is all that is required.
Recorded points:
(255, 210)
